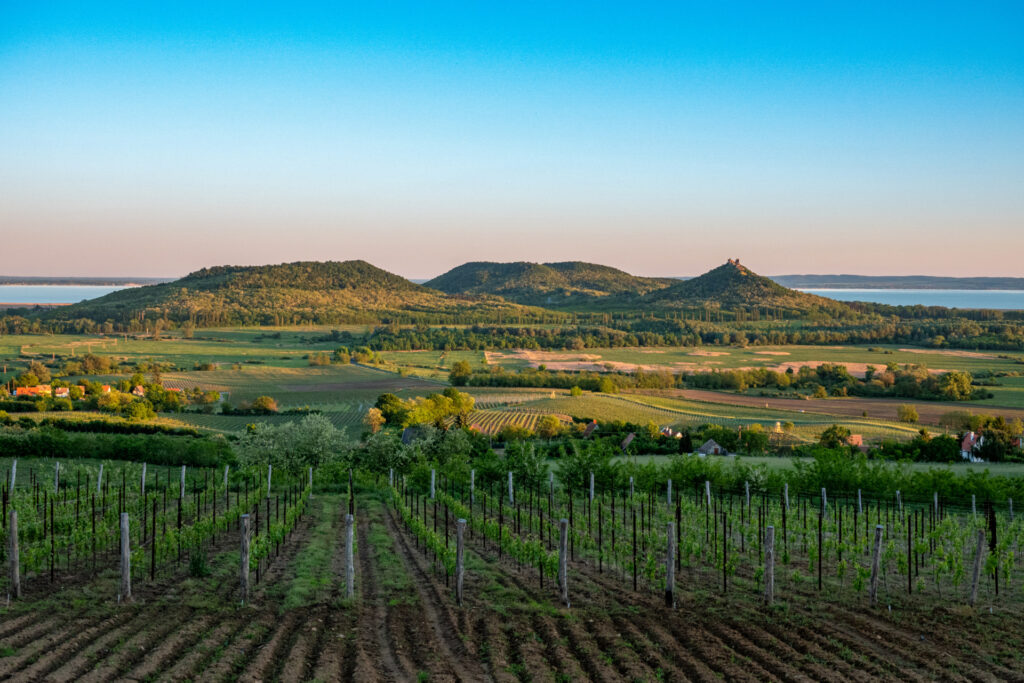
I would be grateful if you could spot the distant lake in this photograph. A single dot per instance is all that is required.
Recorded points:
(51, 294)
(1005, 299)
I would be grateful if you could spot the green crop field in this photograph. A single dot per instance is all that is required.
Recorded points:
(678, 413)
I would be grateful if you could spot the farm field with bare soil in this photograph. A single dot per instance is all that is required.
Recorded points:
(404, 624)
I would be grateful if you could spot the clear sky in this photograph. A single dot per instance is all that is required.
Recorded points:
(801, 137)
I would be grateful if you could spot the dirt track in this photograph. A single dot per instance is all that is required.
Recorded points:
(404, 625)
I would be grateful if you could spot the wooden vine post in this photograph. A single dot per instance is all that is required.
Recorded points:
(670, 567)
(563, 560)
(976, 574)
(15, 565)
(244, 538)
(126, 561)
(769, 565)
(460, 530)
(350, 569)
(876, 561)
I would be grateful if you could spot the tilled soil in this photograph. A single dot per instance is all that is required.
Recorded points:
(403, 625)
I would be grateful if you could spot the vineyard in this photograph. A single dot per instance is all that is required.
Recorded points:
(544, 580)
(492, 421)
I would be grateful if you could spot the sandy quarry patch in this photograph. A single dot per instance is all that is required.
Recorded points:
(702, 352)
(959, 354)
(772, 353)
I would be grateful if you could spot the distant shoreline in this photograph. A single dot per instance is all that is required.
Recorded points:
(44, 281)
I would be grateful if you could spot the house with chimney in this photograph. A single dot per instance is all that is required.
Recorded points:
(969, 445)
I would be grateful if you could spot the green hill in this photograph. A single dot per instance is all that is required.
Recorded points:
(289, 293)
(545, 284)
(733, 285)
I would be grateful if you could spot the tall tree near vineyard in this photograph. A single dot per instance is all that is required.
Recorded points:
(460, 373)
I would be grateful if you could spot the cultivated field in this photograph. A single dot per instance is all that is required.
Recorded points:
(696, 359)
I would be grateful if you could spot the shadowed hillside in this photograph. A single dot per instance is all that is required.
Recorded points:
(545, 284)
(306, 291)
(733, 285)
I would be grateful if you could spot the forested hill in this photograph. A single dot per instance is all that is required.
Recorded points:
(290, 293)
(545, 284)
(733, 285)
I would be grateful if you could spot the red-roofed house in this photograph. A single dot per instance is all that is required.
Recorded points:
(37, 390)
(105, 388)
(139, 390)
(970, 443)
(62, 392)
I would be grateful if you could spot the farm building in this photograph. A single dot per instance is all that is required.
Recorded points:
(591, 428)
(139, 390)
(671, 433)
(970, 443)
(628, 440)
(37, 390)
(711, 447)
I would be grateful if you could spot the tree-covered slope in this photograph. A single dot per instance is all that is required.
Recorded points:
(733, 285)
(545, 284)
(308, 291)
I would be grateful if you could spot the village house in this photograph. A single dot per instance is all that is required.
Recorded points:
(970, 443)
(37, 390)
(591, 426)
(711, 447)
(139, 390)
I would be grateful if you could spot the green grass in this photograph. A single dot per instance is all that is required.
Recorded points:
(313, 578)
(392, 577)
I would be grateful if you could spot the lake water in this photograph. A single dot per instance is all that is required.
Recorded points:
(51, 294)
(952, 298)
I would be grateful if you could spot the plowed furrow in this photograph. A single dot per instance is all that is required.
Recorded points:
(812, 660)
(754, 653)
(296, 663)
(94, 649)
(229, 660)
(585, 652)
(121, 658)
(36, 642)
(378, 657)
(557, 655)
(655, 654)
(171, 648)
(450, 647)
(266, 661)
(190, 661)
(712, 651)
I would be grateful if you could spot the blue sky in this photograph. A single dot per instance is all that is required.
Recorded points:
(659, 138)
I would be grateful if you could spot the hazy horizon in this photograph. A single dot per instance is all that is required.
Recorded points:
(868, 139)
